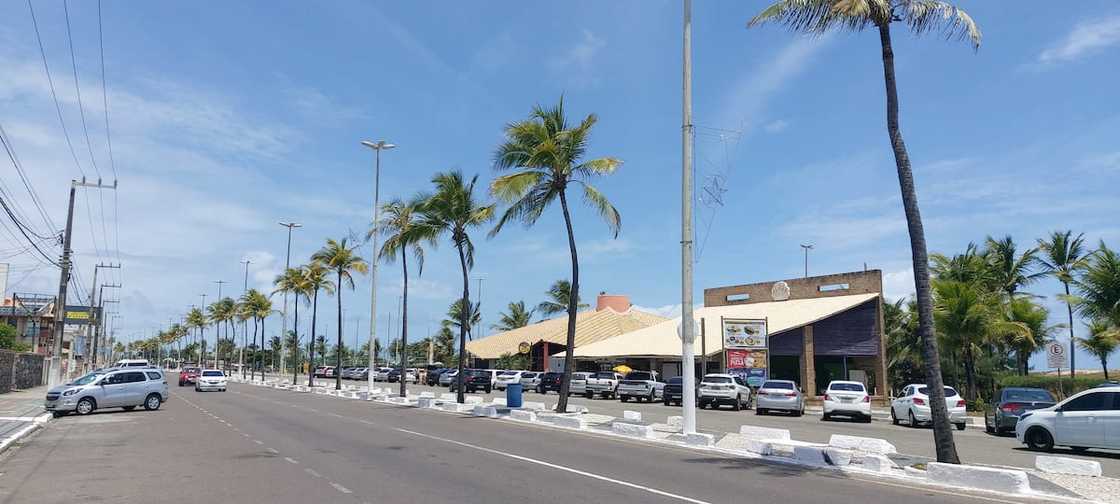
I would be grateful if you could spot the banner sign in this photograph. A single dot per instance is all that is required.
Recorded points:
(745, 333)
(81, 315)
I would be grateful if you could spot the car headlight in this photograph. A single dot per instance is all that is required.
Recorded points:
(71, 392)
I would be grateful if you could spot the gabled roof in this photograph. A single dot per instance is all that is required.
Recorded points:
(591, 326)
(661, 340)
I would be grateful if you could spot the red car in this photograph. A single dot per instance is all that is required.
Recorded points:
(188, 376)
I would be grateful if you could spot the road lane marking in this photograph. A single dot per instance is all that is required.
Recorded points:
(341, 488)
(274, 450)
(291, 460)
(557, 467)
(313, 472)
(258, 441)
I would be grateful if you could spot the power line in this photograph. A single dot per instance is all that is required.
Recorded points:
(10, 149)
(54, 95)
(23, 231)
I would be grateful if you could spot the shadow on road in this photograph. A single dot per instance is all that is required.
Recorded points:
(1066, 452)
(766, 468)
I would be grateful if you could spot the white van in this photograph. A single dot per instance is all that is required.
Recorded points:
(125, 363)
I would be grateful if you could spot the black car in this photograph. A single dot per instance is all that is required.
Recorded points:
(433, 376)
(1010, 403)
(394, 376)
(475, 380)
(674, 391)
(550, 381)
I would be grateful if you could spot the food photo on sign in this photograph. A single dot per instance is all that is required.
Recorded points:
(744, 334)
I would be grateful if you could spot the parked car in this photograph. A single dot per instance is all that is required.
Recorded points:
(673, 393)
(382, 374)
(433, 376)
(324, 372)
(1090, 419)
(475, 380)
(1010, 403)
(913, 405)
(549, 381)
(578, 386)
(779, 395)
(126, 363)
(505, 378)
(448, 377)
(211, 379)
(847, 398)
(410, 376)
(126, 388)
(188, 375)
(641, 385)
(603, 383)
(717, 389)
(361, 373)
(530, 380)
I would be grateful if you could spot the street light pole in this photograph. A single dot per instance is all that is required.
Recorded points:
(284, 314)
(244, 330)
(807, 248)
(377, 147)
(688, 385)
(218, 327)
(202, 336)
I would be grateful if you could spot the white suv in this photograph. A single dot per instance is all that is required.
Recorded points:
(1090, 419)
(716, 389)
(913, 405)
(847, 398)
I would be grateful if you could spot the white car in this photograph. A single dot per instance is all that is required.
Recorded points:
(1090, 419)
(717, 389)
(447, 377)
(847, 398)
(913, 405)
(210, 379)
(506, 378)
(530, 380)
(578, 385)
(382, 374)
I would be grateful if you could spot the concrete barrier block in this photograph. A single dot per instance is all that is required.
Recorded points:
(632, 430)
(809, 455)
(523, 415)
(498, 401)
(447, 397)
(572, 408)
(452, 407)
(878, 463)
(863, 444)
(481, 410)
(758, 446)
(699, 439)
(1066, 465)
(676, 421)
(426, 402)
(532, 405)
(472, 399)
(754, 432)
(634, 416)
(838, 456)
(570, 422)
(987, 478)
(427, 395)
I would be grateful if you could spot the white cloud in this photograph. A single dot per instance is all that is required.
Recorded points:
(1085, 38)
(667, 311)
(777, 126)
(898, 284)
(576, 64)
(756, 85)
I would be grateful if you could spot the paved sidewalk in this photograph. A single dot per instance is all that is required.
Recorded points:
(18, 410)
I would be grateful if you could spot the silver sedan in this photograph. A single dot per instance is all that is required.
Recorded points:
(780, 395)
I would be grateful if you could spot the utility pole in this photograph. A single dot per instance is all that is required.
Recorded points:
(478, 307)
(218, 326)
(377, 147)
(99, 327)
(244, 330)
(688, 328)
(93, 300)
(284, 312)
(807, 248)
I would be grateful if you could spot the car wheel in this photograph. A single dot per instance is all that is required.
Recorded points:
(85, 406)
(589, 395)
(760, 411)
(894, 418)
(58, 414)
(129, 408)
(703, 404)
(1079, 449)
(826, 417)
(666, 401)
(651, 397)
(488, 390)
(152, 402)
(1039, 439)
(738, 404)
(624, 398)
(867, 419)
(799, 412)
(912, 420)
(961, 426)
(988, 427)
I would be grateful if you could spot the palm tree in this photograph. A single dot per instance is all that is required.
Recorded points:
(452, 209)
(274, 344)
(1103, 339)
(293, 281)
(546, 154)
(1063, 255)
(404, 230)
(315, 280)
(518, 316)
(260, 307)
(559, 295)
(1098, 288)
(456, 316)
(921, 16)
(1034, 318)
(196, 320)
(339, 256)
(243, 313)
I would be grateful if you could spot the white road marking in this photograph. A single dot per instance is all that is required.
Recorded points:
(558, 467)
(313, 472)
(336, 415)
(341, 488)
(291, 460)
(274, 450)
(367, 422)
(258, 441)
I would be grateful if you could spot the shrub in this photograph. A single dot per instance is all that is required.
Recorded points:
(1068, 386)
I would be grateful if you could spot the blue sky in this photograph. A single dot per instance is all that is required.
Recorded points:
(227, 118)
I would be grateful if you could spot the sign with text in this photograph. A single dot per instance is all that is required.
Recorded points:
(744, 333)
(1056, 355)
(81, 315)
(751, 364)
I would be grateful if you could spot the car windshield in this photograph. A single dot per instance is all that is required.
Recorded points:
(604, 375)
(949, 392)
(716, 379)
(508, 373)
(639, 375)
(846, 387)
(676, 380)
(212, 373)
(86, 380)
(778, 385)
(1035, 395)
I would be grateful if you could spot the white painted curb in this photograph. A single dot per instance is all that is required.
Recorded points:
(983, 478)
(632, 430)
(1066, 465)
(699, 439)
(754, 432)
(863, 444)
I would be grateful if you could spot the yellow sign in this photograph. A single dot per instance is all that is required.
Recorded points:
(524, 347)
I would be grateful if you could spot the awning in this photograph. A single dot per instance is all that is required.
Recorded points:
(661, 340)
(591, 326)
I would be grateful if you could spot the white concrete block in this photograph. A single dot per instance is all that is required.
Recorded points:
(1066, 465)
(863, 444)
(481, 410)
(632, 430)
(523, 415)
(754, 432)
(838, 456)
(572, 408)
(426, 402)
(498, 401)
(878, 463)
(635, 416)
(570, 422)
(532, 405)
(471, 399)
(675, 421)
(986, 478)
(452, 407)
(427, 395)
(809, 454)
(699, 439)
(447, 397)
(758, 446)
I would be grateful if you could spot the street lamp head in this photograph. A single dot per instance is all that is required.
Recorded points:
(291, 224)
(378, 145)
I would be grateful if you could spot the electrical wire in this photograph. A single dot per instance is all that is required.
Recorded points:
(10, 149)
(54, 95)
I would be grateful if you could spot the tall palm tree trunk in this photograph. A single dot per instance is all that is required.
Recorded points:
(338, 345)
(311, 341)
(465, 303)
(404, 327)
(244, 346)
(261, 360)
(253, 367)
(1072, 339)
(942, 433)
(573, 304)
(295, 345)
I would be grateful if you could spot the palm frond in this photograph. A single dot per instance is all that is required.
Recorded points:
(924, 16)
(606, 210)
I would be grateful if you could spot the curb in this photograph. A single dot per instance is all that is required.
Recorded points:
(35, 425)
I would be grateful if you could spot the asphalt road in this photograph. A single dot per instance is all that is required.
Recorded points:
(262, 445)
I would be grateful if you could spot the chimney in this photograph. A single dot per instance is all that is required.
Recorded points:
(616, 302)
